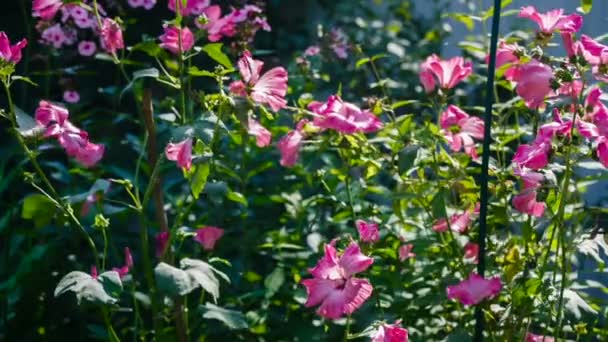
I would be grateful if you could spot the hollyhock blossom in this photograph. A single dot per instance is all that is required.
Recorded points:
(526, 203)
(261, 134)
(596, 54)
(111, 36)
(344, 117)
(471, 252)
(334, 286)
(368, 231)
(89, 154)
(71, 96)
(458, 223)
(554, 20)
(533, 82)
(77, 145)
(534, 156)
(162, 240)
(170, 40)
(530, 337)
(269, 88)
(45, 9)
(124, 270)
(208, 236)
(405, 252)
(216, 25)
(602, 150)
(459, 129)
(181, 153)
(290, 144)
(52, 117)
(87, 48)
(390, 333)
(475, 289)
(446, 73)
(11, 53)
(506, 54)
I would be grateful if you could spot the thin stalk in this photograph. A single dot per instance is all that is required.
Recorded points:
(112, 336)
(485, 161)
(105, 248)
(347, 330)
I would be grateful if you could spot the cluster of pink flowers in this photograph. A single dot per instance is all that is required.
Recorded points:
(460, 223)
(334, 286)
(54, 119)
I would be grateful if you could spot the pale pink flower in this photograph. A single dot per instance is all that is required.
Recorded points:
(216, 25)
(390, 333)
(602, 150)
(208, 236)
(554, 20)
(94, 273)
(595, 53)
(162, 241)
(111, 36)
(534, 156)
(55, 36)
(147, 4)
(471, 252)
(368, 231)
(459, 129)
(77, 145)
(533, 82)
(170, 40)
(71, 96)
(290, 144)
(52, 117)
(11, 53)
(572, 89)
(181, 153)
(269, 88)
(344, 117)
(89, 154)
(572, 48)
(312, 50)
(530, 337)
(459, 223)
(446, 73)
(526, 203)
(475, 289)
(124, 270)
(334, 286)
(87, 48)
(557, 126)
(506, 54)
(405, 252)
(45, 9)
(261, 134)
(193, 7)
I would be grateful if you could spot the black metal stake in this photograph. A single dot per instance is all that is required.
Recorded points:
(485, 161)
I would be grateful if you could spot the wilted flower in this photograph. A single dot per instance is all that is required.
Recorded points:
(334, 286)
(181, 153)
(208, 236)
(475, 289)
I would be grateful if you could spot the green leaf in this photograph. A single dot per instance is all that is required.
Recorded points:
(198, 179)
(172, 281)
(143, 73)
(214, 50)
(274, 281)
(24, 79)
(233, 319)
(202, 274)
(586, 6)
(237, 197)
(85, 287)
(150, 47)
(38, 208)
(111, 282)
(465, 19)
(196, 72)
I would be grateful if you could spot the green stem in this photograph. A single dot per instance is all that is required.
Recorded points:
(347, 330)
(112, 336)
(105, 248)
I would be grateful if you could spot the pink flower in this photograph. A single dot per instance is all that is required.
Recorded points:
(94, 273)
(181, 153)
(55, 35)
(475, 289)
(124, 270)
(87, 48)
(147, 4)
(11, 54)
(446, 73)
(111, 36)
(572, 48)
(595, 53)
(334, 286)
(170, 40)
(52, 117)
(526, 203)
(405, 252)
(554, 20)
(530, 337)
(45, 9)
(193, 7)
(262, 135)
(77, 145)
(344, 117)
(602, 150)
(89, 154)
(290, 144)
(162, 240)
(534, 156)
(71, 96)
(533, 82)
(208, 236)
(459, 223)
(368, 231)
(471, 252)
(216, 25)
(390, 333)
(269, 88)
(459, 130)
(312, 50)
(506, 55)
